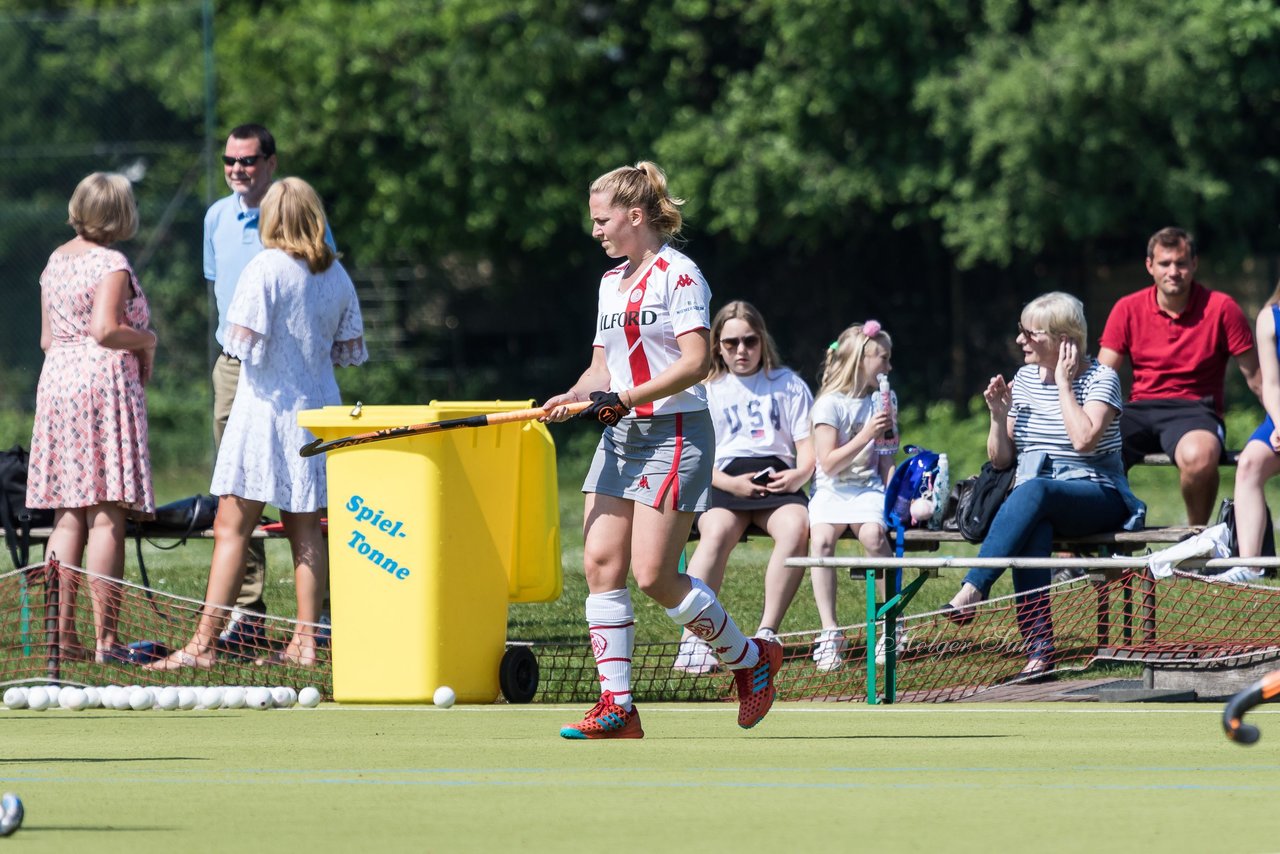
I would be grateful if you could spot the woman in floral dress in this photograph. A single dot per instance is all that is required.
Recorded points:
(89, 458)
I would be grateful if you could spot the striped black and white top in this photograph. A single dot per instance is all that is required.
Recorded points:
(1038, 424)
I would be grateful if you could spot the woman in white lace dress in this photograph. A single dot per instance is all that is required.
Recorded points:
(293, 318)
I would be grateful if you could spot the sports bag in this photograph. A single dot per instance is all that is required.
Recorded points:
(183, 517)
(978, 499)
(922, 475)
(1227, 516)
(15, 516)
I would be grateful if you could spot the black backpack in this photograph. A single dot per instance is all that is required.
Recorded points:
(978, 499)
(1227, 516)
(16, 518)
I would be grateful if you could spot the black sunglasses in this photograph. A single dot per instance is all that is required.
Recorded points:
(751, 342)
(243, 161)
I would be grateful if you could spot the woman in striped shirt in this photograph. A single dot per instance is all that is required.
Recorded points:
(1058, 422)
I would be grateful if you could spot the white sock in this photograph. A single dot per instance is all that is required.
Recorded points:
(703, 615)
(612, 622)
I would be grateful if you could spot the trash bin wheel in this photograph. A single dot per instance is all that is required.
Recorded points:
(518, 674)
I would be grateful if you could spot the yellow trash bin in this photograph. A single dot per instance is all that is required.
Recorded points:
(429, 538)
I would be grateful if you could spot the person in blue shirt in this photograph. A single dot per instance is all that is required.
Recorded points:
(231, 241)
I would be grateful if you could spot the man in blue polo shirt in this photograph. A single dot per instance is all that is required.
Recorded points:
(231, 239)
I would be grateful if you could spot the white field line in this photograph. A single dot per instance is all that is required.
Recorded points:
(726, 708)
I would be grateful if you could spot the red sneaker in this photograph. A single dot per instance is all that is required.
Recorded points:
(606, 720)
(756, 687)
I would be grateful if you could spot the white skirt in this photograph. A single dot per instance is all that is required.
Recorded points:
(846, 505)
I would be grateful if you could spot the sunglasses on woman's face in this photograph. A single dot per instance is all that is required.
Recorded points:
(1031, 334)
(748, 341)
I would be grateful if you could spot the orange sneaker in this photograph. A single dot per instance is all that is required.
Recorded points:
(756, 687)
(606, 720)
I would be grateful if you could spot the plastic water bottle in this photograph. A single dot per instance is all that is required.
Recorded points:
(941, 492)
(886, 401)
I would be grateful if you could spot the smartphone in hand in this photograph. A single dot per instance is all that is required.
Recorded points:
(761, 478)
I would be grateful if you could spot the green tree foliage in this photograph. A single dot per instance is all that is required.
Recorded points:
(83, 95)
(788, 124)
(815, 138)
(1088, 121)
(438, 128)
(931, 163)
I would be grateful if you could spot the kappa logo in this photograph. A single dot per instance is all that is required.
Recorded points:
(684, 281)
(644, 482)
(702, 627)
(598, 645)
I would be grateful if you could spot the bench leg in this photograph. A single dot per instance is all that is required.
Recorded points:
(1126, 610)
(890, 611)
(1102, 590)
(1148, 588)
(873, 697)
(896, 600)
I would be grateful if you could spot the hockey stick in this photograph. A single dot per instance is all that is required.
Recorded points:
(1266, 688)
(311, 449)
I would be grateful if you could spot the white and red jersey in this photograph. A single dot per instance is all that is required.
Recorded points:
(638, 328)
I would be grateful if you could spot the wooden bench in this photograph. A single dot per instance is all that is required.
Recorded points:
(40, 536)
(1112, 542)
(1119, 542)
(1232, 457)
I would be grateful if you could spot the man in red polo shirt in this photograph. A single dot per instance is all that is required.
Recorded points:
(1179, 335)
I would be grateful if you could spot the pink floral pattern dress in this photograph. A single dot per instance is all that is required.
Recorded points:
(89, 443)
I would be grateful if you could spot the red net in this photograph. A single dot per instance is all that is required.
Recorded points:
(47, 633)
(1185, 621)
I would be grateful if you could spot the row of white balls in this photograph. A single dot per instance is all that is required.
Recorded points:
(168, 698)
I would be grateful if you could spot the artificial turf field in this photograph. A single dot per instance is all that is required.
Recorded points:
(811, 777)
